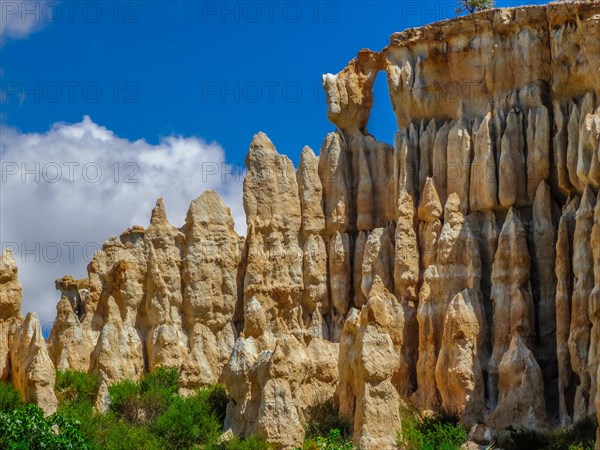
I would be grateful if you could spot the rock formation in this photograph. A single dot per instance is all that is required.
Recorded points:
(456, 270)
(23, 352)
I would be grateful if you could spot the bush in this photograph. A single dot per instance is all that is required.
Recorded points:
(431, 433)
(474, 5)
(163, 379)
(324, 418)
(108, 432)
(334, 440)
(253, 443)
(10, 398)
(26, 428)
(581, 436)
(189, 421)
(76, 386)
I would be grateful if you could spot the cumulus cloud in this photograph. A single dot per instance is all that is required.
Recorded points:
(64, 192)
(20, 18)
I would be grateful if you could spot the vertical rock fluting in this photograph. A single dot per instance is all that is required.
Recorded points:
(371, 356)
(32, 371)
(314, 266)
(543, 238)
(210, 289)
(564, 292)
(274, 261)
(458, 372)
(11, 296)
(583, 283)
(594, 309)
(513, 325)
(166, 342)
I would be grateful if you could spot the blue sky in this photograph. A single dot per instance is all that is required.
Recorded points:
(162, 98)
(219, 70)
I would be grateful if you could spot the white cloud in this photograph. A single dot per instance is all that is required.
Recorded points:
(64, 192)
(20, 18)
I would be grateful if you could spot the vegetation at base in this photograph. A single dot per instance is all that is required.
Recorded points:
(429, 433)
(580, 436)
(472, 6)
(10, 398)
(144, 415)
(326, 429)
(26, 428)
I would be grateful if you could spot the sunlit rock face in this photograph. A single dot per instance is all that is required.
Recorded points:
(456, 269)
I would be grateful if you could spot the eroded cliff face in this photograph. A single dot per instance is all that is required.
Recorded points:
(456, 269)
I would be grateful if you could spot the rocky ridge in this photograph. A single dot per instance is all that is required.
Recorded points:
(457, 270)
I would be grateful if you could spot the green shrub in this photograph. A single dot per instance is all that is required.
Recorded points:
(324, 418)
(580, 436)
(10, 398)
(75, 386)
(145, 401)
(26, 428)
(162, 379)
(124, 400)
(217, 399)
(431, 433)
(474, 5)
(189, 421)
(334, 440)
(108, 432)
(253, 443)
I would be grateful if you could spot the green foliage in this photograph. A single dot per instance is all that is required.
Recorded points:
(217, 399)
(124, 400)
(26, 428)
(145, 415)
(253, 443)
(144, 402)
(323, 419)
(580, 436)
(333, 441)
(474, 5)
(10, 398)
(430, 433)
(76, 386)
(189, 421)
(162, 379)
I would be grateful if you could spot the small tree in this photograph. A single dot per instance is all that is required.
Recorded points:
(474, 5)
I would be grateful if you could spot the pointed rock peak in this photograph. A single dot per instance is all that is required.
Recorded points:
(208, 209)
(512, 225)
(431, 273)
(378, 288)
(514, 101)
(261, 141)
(430, 208)
(159, 213)
(431, 127)
(452, 206)
(542, 201)
(31, 327)
(376, 311)
(405, 205)
(114, 314)
(571, 205)
(307, 154)
(484, 126)
(7, 260)
(588, 200)
(63, 307)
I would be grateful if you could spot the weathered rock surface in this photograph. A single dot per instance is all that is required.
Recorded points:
(32, 371)
(457, 270)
